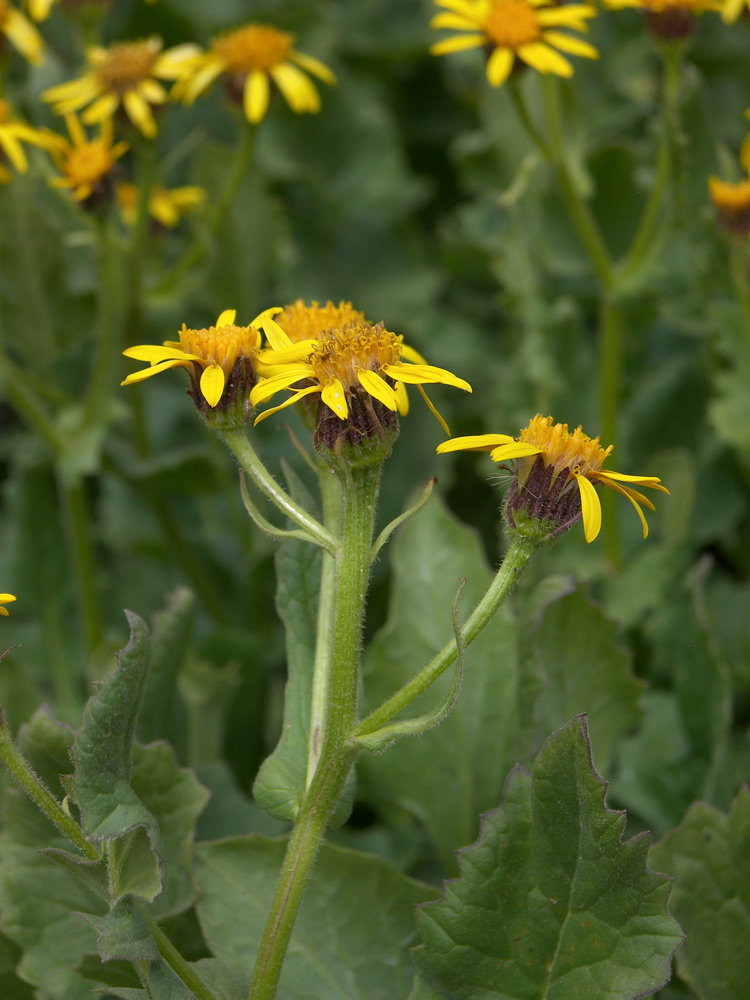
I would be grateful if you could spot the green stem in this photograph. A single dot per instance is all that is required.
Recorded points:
(239, 443)
(145, 173)
(520, 552)
(35, 301)
(738, 267)
(330, 489)
(103, 380)
(24, 400)
(198, 249)
(77, 519)
(39, 794)
(610, 368)
(352, 563)
(174, 959)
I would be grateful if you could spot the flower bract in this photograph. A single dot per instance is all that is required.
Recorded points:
(210, 355)
(5, 599)
(557, 474)
(125, 74)
(516, 30)
(85, 164)
(250, 58)
(21, 33)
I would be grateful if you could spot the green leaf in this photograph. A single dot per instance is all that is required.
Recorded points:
(162, 714)
(550, 903)
(280, 783)
(709, 857)
(490, 726)
(585, 670)
(339, 946)
(11, 987)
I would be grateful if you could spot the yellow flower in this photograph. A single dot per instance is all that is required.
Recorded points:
(732, 204)
(21, 33)
(342, 364)
(5, 599)
(213, 357)
(39, 9)
(516, 29)
(166, 205)
(732, 10)
(12, 134)
(251, 57)
(85, 164)
(556, 475)
(124, 74)
(303, 322)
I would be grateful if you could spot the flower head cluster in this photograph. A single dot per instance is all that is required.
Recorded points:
(250, 58)
(220, 360)
(125, 74)
(513, 31)
(555, 479)
(21, 33)
(86, 165)
(5, 599)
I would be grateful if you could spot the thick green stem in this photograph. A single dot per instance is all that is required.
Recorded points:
(330, 490)
(103, 376)
(77, 521)
(39, 794)
(739, 266)
(352, 563)
(24, 400)
(174, 959)
(520, 552)
(240, 445)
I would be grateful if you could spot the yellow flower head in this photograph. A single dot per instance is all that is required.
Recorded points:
(732, 204)
(525, 30)
(86, 165)
(357, 372)
(556, 476)
(165, 205)
(127, 74)
(303, 322)
(5, 599)
(250, 58)
(21, 33)
(221, 360)
(12, 134)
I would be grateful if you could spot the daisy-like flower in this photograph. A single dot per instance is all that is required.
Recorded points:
(86, 165)
(5, 599)
(250, 58)
(510, 30)
(21, 33)
(221, 360)
(127, 74)
(302, 322)
(12, 134)
(165, 205)
(556, 476)
(357, 372)
(732, 204)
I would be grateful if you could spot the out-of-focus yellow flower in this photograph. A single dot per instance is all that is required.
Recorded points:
(21, 33)
(12, 134)
(732, 10)
(250, 58)
(166, 205)
(212, 356)
(5, 599)
(556, 475)
(85, 164)
(669, 20)
(127, 74)
(510, 30)
(732, 204)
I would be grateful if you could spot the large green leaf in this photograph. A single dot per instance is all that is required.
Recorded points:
(339, 947)
(585, 671)
(550, 902)
(451, 774)
(709, 857)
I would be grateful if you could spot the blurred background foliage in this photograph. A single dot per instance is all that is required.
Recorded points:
(416, 195)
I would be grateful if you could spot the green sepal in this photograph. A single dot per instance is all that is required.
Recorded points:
(384, 737)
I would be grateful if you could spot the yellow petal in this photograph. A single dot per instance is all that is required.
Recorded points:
(514, 449)
(544, 59)
(313, 66)
(378, 388)
(298, 90)
(334, 397)
(23, 35)
(268, 387)
(13, 150)
(155, 353)
(456, 21)
(632, 495)
(256, 96)
(139, 112)
(591, 508)
(475, 442)
(457, 44)
(189, 88)
(409, 354)
(212, 384)
(499, 66)
(402, 398)
(414, 374)
(101, 109)
(226, 318)
(433, 410)
(566, 43)
(287, 402)
(7, 598)
(148, 372)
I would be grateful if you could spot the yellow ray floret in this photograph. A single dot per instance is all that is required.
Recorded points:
(5, 599)
(511, 30)
(21, 33)
(572, 454)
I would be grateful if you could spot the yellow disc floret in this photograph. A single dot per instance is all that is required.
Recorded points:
(512, 23)
(253, 47)
(303, 322)
(124, 65)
